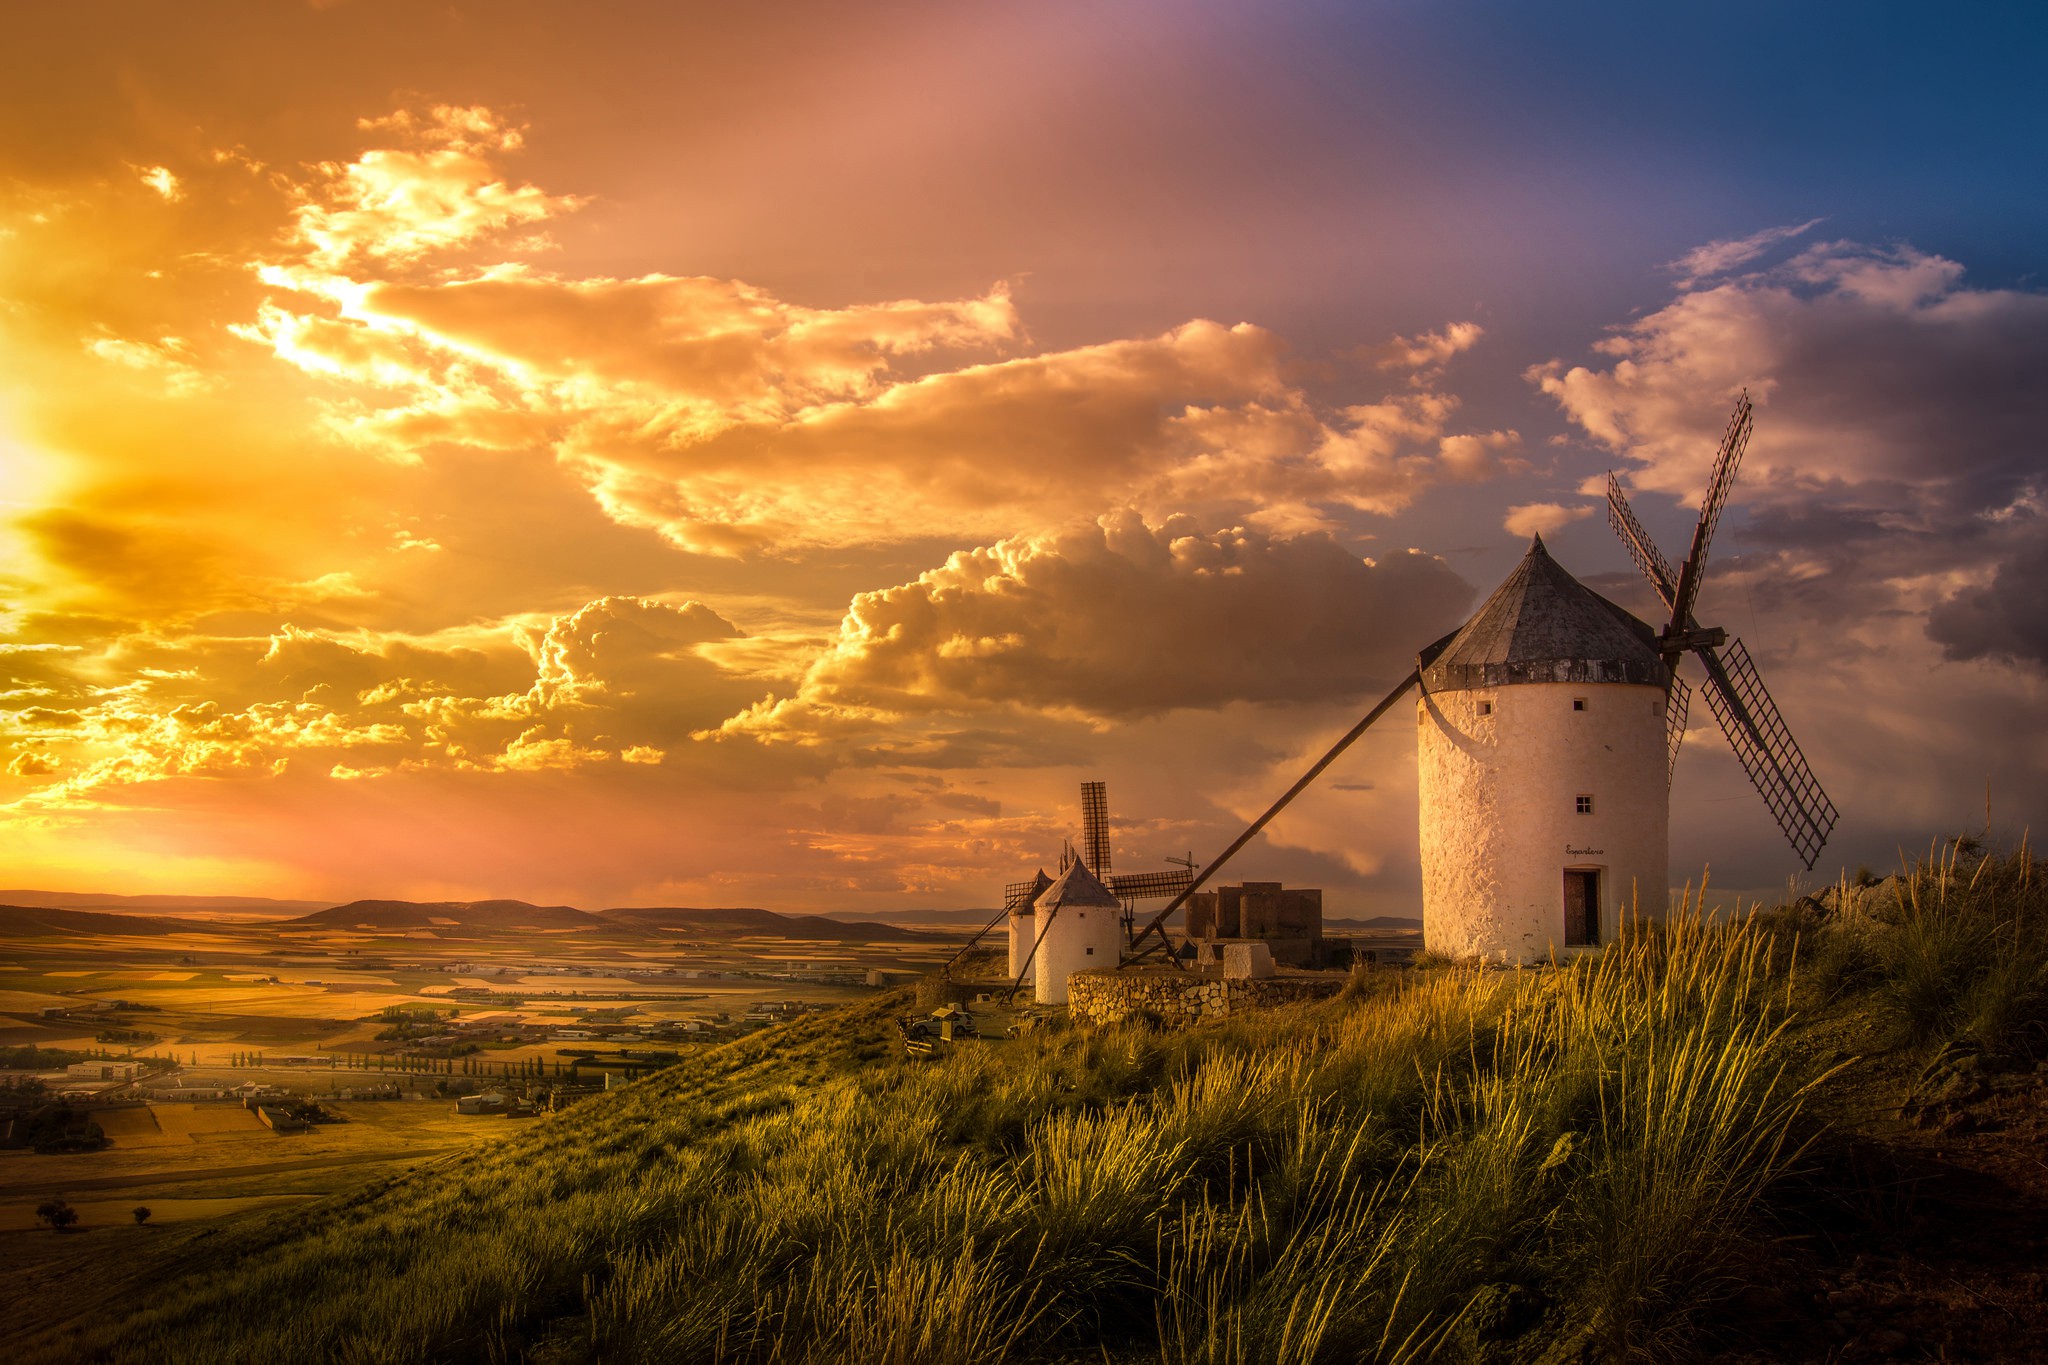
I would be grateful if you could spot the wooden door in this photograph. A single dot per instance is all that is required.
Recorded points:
(1581, 907)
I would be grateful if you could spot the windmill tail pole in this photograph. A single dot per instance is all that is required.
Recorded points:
(967, 947)
(1157, 925)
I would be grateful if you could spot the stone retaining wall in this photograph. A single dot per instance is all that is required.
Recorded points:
(1178, 999)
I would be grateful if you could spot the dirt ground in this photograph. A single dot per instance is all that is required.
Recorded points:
(1945, 1259)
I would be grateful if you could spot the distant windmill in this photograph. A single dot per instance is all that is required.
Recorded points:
(1735, 690)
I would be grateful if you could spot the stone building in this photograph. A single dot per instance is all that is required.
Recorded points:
(1288, 920)
(1543, 767)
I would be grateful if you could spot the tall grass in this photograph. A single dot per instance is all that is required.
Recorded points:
(1431, 1170)
(1953, 951)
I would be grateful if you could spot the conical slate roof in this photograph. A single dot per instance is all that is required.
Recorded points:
(1038, 884)
(1542, 625)
(1077, 888)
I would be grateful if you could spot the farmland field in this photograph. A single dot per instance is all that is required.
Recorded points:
(307, 1015)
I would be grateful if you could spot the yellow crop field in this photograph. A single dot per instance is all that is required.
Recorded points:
(207, 1121)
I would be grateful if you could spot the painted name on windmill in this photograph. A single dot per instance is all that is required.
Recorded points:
(1571, 852)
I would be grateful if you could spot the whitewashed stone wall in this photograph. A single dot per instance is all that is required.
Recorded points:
(1498, 820)
(1074, 939)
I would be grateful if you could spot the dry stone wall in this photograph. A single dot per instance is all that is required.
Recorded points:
(1178, 999)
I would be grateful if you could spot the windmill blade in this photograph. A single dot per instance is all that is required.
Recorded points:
(1733, 442)
(1641, 548)
(1769, 754)
(1137, 886)
(1095, 827)
(1677, 705)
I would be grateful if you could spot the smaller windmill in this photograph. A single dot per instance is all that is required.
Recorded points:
(1735, 690)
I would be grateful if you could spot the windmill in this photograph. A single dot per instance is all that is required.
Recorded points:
(1549, 731)
(1735, 690)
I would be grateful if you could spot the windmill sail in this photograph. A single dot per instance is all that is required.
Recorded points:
(1677, 705)
(1641, 548)
(1735, 690)
(1769, 754)
(1733, 443)
(1095, 827)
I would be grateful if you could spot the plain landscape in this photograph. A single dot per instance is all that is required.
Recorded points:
(1813, 1131)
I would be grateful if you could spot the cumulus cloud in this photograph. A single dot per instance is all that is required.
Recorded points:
(729, 420)
(1123, 619)
(1542, 518)
(1896, 462)
(1425, 356)
(396, 204)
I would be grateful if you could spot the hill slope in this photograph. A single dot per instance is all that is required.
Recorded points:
(762, 923)
(493, 915)
(32, 921)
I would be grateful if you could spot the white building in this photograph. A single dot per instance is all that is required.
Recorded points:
(1077, 925)
(1543, 768)
(1024, 925)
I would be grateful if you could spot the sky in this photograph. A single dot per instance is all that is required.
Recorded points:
(770, 455)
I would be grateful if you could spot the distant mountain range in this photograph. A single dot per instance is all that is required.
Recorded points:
(469, 918)
(223, 907)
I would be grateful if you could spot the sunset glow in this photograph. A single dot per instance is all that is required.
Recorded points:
(693, 457)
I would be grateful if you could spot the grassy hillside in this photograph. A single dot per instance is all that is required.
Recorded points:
(1575, 1164)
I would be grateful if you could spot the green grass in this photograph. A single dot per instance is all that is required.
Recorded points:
(1453, 1165)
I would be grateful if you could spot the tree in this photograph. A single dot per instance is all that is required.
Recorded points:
(141, 1212)
(58, 1214)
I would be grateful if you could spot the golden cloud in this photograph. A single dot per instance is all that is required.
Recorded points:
(728, 419)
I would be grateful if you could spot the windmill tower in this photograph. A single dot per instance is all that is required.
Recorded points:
(1542, 775)
(1019, 903)
(1549, 731)
(1079, 924)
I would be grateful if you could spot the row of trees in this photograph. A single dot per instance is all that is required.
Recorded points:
(520, 1068)
(59, 1216)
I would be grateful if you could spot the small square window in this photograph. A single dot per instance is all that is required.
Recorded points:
(1486, 708)
(1578, 703)
(1091, 952)
(1583, 804)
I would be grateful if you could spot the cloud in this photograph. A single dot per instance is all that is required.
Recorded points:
(1718, 258)
(732, 421)
(160, 179)
(1122, 619)
(2007, 617)
(1427, 354)
(397, 204)
(1895, 466)
(1542, 518)
(168, 358)
(621, 679)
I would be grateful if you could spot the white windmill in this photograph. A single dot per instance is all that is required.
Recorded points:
(1549, 731)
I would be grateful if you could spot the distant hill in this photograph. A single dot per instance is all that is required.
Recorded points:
(474, 915)
(508, 916)
(759, 923)
(1382, 923)
(226, 907)
(34, 921)
(938, 920)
